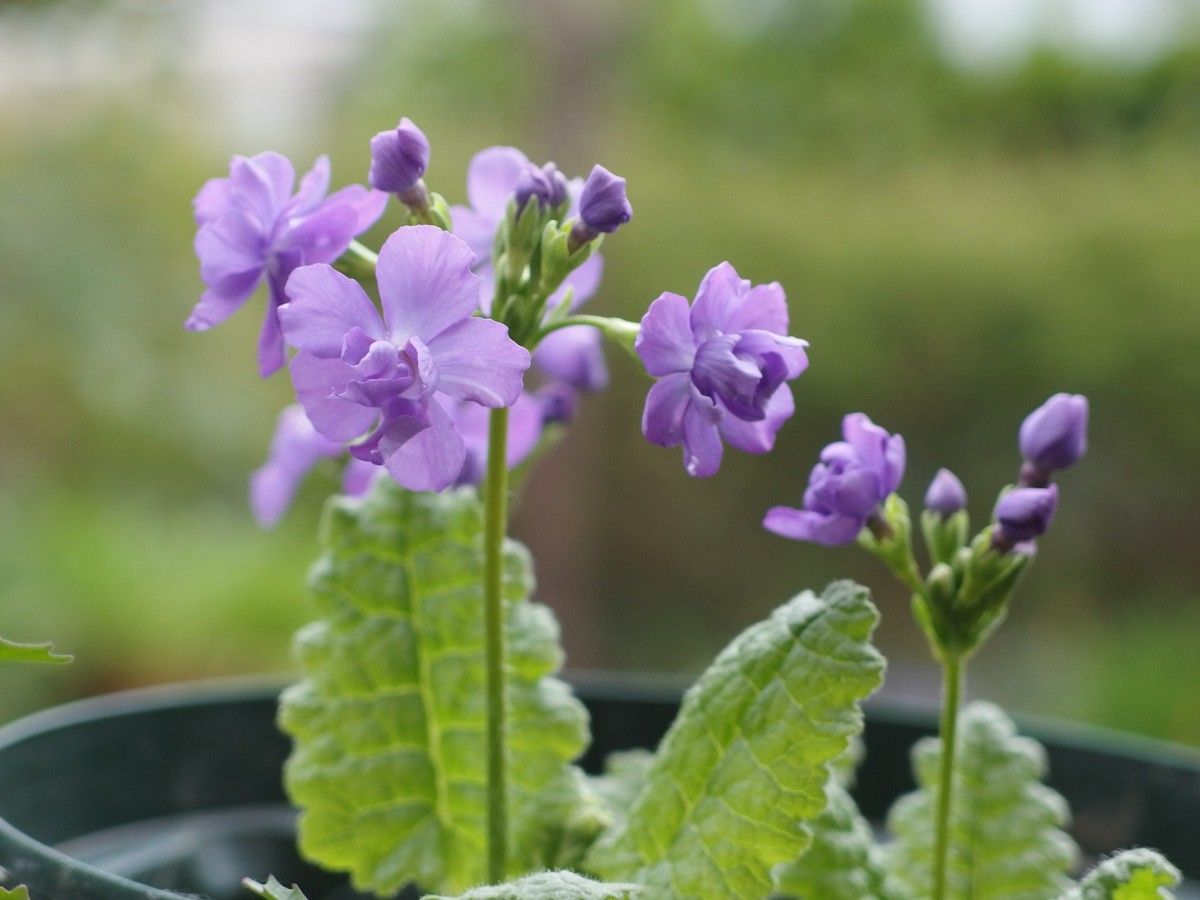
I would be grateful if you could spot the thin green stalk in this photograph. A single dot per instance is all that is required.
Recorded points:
(496, 512)
(952, 678)
(357, 261)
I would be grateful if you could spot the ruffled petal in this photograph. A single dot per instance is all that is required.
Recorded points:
(759, 437)
(665, 343)
(702, 448)
(262, 186)
(316, 382)
(720, 295)
(792, 352)
(574, 355)
(763, 307)
(477, 360)
(431, 459)
(666, 402)
(231, 245)
(425, 282)
(492, 177)
(323, 306)
(805, 525)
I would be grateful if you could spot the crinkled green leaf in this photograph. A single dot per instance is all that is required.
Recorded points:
(844, 766)
(11, 651)
(389, 766)
(1138, 874)
(20, 892)
(273, 890)
(843, 862)
(562, 885)
(744, 765)
(1005, 837)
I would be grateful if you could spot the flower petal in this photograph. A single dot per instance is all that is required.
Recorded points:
(357, 477)
(231, 245)
(217, 305)
(702, 446)
(883, 453)
(477, 229)
(368, 205)
(666, 402)
(313, 187)
(272, 352)
(477, 360)
(665, 343)
(212, 200)
(323, 306)
(759, 437)
(492, 178)
(262, 186)
(431, 459)
(764, 307)
(295, 448)
(323, 235)
(316, 381)
(720, 295)
(805, 525)
(574, 355)
(425, 282)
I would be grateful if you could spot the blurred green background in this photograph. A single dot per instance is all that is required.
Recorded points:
(971, 205)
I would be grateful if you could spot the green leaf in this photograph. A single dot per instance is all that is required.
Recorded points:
(273, 890)
(1005, 837)
(625, 774)
(1130, 875)
(744, 765)
(20, 892)
(843, 862)
(389, 764)
(560, 885)
(10, 651)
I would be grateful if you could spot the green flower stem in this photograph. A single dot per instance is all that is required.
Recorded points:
(357, 261)
(952, 678)
(622, 331)
(496, 520)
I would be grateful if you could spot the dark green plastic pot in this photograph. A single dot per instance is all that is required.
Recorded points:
(175, 792)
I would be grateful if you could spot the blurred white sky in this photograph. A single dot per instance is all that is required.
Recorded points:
(249, 62)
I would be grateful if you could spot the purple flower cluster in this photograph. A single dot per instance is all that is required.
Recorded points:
(494, 177)
(722, 365)
(359, 374)
(252, 227)
(846, 488)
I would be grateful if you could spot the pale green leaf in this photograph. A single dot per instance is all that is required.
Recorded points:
(389, 766)
(273, 890)
(842, 863)
(20, 892)
(11, 651)
(744, 766)
(562, 885)
(1130, 875)
(1005, 826)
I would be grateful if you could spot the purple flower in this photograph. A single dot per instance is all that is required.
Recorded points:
(946, 494)
(721, 368)
(252, 226)
(295, 448)
(846, 487)
(525, 418)
(399, 158)
(1023, 514)
(1053, 436)
(359, 374)
(603, 206)
(546, 185)
(493, 178)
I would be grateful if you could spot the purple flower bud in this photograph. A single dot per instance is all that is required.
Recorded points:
(1054, 435)
(399, 158)
(1023, 514)
(946, 494)
(603, 206)
(559, 402)
(547, 185)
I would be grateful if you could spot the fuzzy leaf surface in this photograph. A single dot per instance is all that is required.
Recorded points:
(1005, 826)
(11, 651)
(273, 890)
(744, 765)
(842, 863)
(1138, 874)
(389, 764)
(562, 885)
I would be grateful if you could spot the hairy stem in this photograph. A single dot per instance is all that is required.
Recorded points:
(952, 678)
(496, 512)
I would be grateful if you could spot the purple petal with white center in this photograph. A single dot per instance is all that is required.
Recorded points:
(702, 448)
(665, 343)
(317, 381)
(477, 360)
(323, 307)
(806, 525)
(492, 178)
(763, 308)
(759, 437)
(666, 402)
(574, 355)
(431, 459)
(720, 295)
(425, 282)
